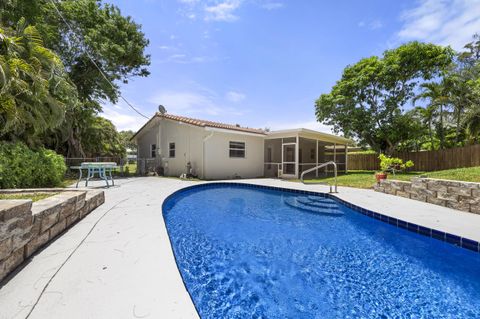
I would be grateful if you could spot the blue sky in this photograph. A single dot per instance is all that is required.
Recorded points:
(263, 63)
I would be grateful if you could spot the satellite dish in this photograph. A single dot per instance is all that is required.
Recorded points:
(162, 109)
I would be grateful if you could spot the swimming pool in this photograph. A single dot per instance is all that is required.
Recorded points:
(245, 252)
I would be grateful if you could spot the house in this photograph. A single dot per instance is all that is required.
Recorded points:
(174, 145)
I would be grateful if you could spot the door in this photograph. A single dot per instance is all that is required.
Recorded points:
(289, 160)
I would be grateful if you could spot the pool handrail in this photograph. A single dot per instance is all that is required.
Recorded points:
(320, 166)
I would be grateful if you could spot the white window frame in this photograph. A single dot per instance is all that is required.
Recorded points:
(174, 149)
(244, 149)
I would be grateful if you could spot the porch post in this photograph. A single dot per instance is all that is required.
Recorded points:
(335, 152)
(346, 158)
(283, 168)
(316, 159)
(297, 155)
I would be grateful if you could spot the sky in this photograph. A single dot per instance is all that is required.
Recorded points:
(263, 63)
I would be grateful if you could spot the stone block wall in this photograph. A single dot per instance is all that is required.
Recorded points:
(464, 196)
(25, 226)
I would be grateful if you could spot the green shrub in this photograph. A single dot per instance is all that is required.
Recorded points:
(393, 164)
(22, 167)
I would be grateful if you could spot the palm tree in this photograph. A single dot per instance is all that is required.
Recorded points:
(438, 97)
(472, 122)
(33, 85)
(428, 115)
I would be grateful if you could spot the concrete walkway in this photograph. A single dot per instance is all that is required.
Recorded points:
(118, 263)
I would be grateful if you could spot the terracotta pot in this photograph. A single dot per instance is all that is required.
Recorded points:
(380, 176)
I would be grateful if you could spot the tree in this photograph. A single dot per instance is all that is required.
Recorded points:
(439, 98)
(126, 139)
(465, 82)
(93, 30)
(34, 89)
(428, 115)
(421, 134)
(368, 102)
(472, 115)
(462, 81)
(102, 139)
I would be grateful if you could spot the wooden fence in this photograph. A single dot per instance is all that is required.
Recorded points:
(467, 156)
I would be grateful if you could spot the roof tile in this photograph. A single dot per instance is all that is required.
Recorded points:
(204, 123)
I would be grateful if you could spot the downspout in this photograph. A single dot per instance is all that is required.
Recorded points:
(206, 138)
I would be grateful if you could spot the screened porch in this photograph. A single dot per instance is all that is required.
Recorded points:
(289, 153)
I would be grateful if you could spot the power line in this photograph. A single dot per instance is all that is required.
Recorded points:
(93, 61)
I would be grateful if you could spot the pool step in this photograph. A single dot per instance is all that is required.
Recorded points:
(328, 211)
(317, 202)
(319, 199)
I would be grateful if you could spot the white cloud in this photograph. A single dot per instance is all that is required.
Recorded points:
(445, 22)
(235, 97)
(199, 103)
(376, 24)
(181, 58)
(123, 117)
(271, 5)
(372, 25)
(223, 11)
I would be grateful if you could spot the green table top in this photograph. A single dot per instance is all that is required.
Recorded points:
(95, 165)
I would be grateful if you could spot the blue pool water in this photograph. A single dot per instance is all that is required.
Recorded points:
(251, 253)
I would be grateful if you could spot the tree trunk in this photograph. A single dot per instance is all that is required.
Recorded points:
(75, 148)
(390, 147)
(442, 133)
(457, 129)
(430, 132)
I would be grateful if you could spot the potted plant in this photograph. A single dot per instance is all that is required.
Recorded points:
(391, 164)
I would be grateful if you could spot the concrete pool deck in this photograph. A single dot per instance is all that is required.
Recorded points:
(117, 262)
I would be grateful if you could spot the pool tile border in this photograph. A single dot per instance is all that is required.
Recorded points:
(458, 241)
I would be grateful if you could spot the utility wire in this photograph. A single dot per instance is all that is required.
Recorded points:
(80, 37)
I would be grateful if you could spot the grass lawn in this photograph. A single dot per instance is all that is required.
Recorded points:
(33, 196)
(132, 168)
(68, 181)
(366, 179)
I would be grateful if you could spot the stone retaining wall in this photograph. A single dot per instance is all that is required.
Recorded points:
(463, 196)
(25, 226)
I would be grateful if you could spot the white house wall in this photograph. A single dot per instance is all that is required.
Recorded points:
(145, 140)
(219, 165)
(188, 146)
(188, 141)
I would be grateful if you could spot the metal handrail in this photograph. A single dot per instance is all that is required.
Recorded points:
(320, 166)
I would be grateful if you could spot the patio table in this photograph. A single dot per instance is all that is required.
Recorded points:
(103, 169)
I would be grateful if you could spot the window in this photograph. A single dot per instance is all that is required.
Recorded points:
(153, 150)
(171, 150)
(237, 149)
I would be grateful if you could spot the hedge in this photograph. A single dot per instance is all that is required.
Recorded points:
(22, 167)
